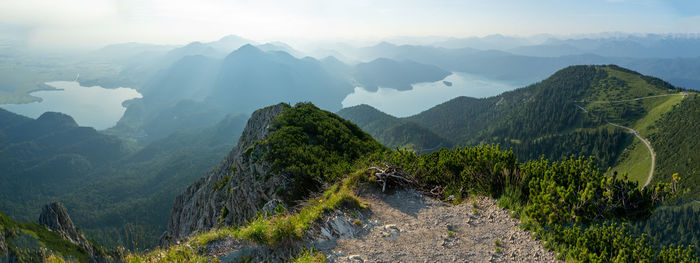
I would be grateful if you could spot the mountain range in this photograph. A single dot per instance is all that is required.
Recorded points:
(119, 184)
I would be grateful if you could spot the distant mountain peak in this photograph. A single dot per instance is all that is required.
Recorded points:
(194, 44)
(232, 38)
(57, 118)
(230, 43)
(385, 44)
(248, 48)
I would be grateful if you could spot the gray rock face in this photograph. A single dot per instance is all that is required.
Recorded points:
(334, 225)
(55, 217)
(235, 190)
(3, 245)
(273, 207)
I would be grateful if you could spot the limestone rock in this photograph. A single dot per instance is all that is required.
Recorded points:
(55, 217)
(235, 190)
(3, 245)
(272, 207)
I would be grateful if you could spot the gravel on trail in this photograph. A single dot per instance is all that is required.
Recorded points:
(407, 226)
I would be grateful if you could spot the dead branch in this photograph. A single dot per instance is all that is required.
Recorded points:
(392, 176)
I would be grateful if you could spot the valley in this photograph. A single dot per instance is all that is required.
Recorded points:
(148, 173)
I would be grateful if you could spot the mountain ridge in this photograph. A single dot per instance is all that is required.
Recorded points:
(548, 119)
(270, 166)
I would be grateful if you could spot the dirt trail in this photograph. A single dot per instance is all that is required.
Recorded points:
(646, 142)
(634, 99)
(407, 226)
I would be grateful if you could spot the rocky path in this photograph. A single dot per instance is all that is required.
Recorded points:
(407, 226)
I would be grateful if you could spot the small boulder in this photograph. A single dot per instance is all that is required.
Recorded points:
(273, 207)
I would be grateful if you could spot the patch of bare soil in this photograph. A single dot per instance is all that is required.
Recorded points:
(407, 226)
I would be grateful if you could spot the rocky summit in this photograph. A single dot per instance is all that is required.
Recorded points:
(235, 190)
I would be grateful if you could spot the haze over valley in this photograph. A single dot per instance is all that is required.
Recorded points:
(278, 132)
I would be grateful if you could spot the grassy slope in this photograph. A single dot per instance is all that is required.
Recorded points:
(268, 231)
(635, 159)
(35, 233)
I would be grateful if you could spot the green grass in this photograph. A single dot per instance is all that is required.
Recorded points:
(309, 256)
(639, 87)
(645, 125)
(635, 161)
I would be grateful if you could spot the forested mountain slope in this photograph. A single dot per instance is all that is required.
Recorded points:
(250, 78)
(40, 156)
(563, 115)
(388, 73)
(140, 187)
(675, 224)
(393, 132)
(676, 140)
(119, 194)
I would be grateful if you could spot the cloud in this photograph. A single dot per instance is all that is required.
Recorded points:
(56, 13)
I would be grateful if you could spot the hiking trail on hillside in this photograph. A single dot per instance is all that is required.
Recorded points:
(633, 131)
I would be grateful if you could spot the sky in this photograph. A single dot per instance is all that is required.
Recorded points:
(100, 22)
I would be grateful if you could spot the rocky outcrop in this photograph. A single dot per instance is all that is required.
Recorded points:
(334, 225)
(236, 190)
(3, 244)
(55, 217)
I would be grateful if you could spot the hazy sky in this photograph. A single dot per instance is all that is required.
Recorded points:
(97, 22)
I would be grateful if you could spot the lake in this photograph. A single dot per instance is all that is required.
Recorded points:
(95, 106)
(426, 95)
